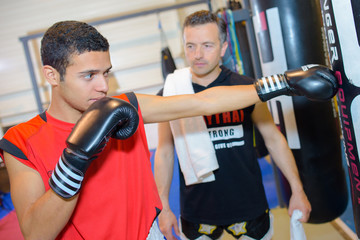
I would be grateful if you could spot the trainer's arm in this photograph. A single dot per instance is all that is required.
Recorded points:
(282, 155)
(41, 214)
(208, 102)
(163, 171)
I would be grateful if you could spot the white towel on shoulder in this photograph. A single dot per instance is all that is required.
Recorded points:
(194, 147)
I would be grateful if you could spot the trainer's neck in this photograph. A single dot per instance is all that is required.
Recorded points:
(205, 80)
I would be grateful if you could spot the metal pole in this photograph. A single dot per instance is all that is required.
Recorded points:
(209, 5)
(32, 74)
(147, 12)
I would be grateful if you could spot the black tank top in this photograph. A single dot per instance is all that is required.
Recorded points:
(238, 193)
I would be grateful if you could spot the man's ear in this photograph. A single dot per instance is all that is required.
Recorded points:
(51, 75)
(223, 48)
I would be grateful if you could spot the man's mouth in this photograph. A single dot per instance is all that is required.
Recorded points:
(96, 98)
(200, 64)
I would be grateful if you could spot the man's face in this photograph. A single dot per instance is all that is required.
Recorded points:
(203, 49)
(85, 81)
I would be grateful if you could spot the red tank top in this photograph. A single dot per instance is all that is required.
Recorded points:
(118, 199)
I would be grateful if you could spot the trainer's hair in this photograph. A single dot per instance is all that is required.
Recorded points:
(203, 17)
(66, 38)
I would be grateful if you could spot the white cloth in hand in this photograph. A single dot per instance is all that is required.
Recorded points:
(296, 228)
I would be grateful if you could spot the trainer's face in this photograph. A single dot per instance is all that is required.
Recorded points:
(86, 80)
(203, 50)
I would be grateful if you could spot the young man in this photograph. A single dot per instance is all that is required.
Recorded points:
(233, 199)
(81, 169)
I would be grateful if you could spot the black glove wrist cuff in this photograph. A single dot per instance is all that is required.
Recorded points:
(271, 86)
(66, 180)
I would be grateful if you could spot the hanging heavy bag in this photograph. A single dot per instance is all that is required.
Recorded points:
(289, 36)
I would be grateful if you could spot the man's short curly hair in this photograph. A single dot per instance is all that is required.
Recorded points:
(66, 38)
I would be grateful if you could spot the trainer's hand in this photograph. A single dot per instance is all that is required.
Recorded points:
(299, 200)
(107, 117)
(316, 82)
(168, 222)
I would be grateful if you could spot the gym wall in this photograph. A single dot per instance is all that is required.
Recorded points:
(135, 46)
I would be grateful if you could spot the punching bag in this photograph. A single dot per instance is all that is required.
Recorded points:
(289, 35)
(167, 62)
(341, 19)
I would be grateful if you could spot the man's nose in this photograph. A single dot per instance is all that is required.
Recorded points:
(198, 52)
(102, 84)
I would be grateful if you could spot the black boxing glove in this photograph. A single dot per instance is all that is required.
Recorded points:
(316, 82)
(107, 117)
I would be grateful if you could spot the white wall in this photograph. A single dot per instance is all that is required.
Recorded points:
(135, 46)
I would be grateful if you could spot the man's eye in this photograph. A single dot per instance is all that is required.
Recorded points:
(107, 73)
(89, 76)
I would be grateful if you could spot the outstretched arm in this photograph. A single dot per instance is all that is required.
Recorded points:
(315, 82)
(208, 102)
